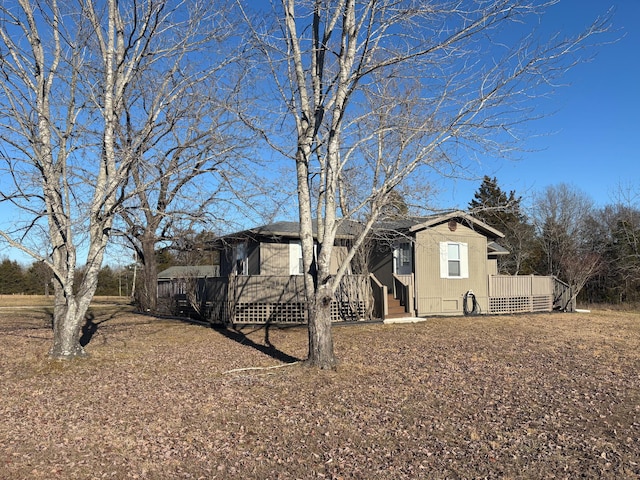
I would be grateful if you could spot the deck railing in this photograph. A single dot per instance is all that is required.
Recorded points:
(263, 299)
(260, 299)
(520, 293)
(379, 293)
(404, 291)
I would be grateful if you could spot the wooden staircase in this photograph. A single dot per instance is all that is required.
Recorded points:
(395, 309)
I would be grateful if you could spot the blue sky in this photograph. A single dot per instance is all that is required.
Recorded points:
(591, 140)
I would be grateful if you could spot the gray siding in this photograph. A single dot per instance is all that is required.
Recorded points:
(381, 265)
(338, 256)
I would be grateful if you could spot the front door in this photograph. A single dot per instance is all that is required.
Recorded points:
(403, 259)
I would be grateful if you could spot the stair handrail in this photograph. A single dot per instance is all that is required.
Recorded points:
(404, 292)
(380, 301)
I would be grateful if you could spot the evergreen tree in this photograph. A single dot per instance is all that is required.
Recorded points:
(38, 279)
(107, 282)
(501, 210)
(490, 201)
(11, 277)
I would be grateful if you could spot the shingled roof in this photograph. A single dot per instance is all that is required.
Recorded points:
(284, 229)
(185, 271)
(350, 228)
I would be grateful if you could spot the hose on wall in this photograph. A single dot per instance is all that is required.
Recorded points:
(475, 308)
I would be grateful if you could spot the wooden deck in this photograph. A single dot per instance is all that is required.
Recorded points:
(263, 299)
(527, 293)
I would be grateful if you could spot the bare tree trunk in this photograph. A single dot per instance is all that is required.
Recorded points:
(135, 277)
(321, 352)
(67, 327)
(149, 296)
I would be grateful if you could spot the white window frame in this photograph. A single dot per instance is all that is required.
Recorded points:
(296, 267)
(463, 250)
(295, 258)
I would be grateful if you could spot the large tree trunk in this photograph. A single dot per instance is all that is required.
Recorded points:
(316, 278)
(321, 354)
(149, 295)
(68, 319)
(71, 304)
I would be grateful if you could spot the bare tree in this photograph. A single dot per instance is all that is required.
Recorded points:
(384, 90)
(66, 68)
(188, 146)
(617, 228)
(563, 216)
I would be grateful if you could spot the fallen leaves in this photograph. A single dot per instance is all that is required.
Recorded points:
(544, 396)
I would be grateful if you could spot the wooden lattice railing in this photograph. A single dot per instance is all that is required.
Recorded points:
(261, 299)
(520, 293)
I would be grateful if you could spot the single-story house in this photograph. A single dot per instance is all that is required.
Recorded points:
(443, 264)
(447, 265)
(177, 279)
(181, 288)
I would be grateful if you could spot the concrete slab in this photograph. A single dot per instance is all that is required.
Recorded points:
(404, 320)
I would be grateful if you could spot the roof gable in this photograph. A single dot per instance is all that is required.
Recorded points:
(471, 221)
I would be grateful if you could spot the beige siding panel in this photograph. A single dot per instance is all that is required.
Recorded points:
(437, 295)
(274, 259)
(450, 305)
(338, 255)
(429, 304)
(492, 266)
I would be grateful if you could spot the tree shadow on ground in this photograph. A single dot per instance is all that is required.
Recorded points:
(268, 348)
(234, 333)
(90, 327)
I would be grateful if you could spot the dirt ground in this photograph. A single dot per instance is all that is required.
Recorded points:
(531, 396)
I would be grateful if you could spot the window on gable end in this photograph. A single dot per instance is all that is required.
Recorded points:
(454, 260)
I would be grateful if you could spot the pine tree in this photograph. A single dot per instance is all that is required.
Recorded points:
(11, 277)
(502, 211)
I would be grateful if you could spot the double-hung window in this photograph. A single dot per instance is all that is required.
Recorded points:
(454, 260)
(241, 258)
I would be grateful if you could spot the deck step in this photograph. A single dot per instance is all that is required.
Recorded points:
(395, 310)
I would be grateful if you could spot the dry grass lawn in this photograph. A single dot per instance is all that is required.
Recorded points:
(532, 396)
(28, 301)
